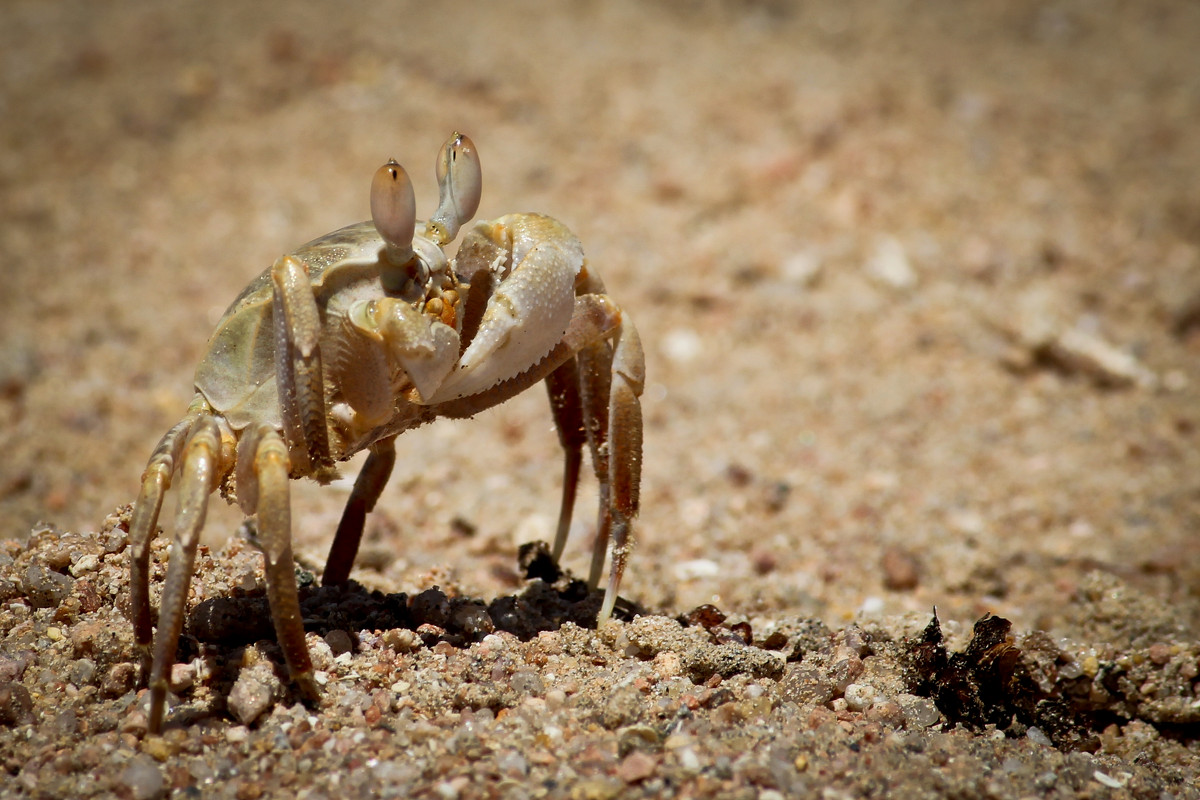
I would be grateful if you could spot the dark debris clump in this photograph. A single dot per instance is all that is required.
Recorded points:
(989, 683)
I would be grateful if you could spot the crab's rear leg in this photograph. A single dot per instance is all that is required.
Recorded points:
(611, 382)
(624, 452)
(200, 472)
(142, 528)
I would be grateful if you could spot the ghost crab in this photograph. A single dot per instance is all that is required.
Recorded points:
(363, 334)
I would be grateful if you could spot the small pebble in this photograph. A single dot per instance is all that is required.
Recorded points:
(890, 265)
(16, 705)
(182, 676)
(1035, 735)
(527, 682)
(86, 563)
(250, 696)
(887, 712)
(402, 640)
(339, 642)
(668, 664)
(556, 699)
(688, 759)
(696, 568)
(142, 778)
(901, 572)
(682, 345)
(919, 712)
(859, 696)
(637, 766)
(1160, 653)
(82, 672)
(802, 267)
(45, 588)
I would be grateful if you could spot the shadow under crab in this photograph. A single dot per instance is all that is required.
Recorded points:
(551, 598)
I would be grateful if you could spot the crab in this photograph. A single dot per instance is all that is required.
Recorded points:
(361, 335)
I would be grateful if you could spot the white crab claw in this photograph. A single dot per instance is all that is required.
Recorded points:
(530, 310)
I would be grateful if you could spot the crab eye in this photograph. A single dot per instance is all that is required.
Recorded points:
(394, 211)
(460, 181)
(365, 317)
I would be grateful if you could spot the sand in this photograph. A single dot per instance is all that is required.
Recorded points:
(919, 286)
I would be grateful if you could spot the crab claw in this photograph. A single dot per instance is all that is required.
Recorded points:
(424, 347)
(460, 183)
(538, 261)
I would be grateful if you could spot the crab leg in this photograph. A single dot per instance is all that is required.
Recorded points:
(595, 388)
(298, 368)
(142, 527)
(270, 471)
(200, 470)
(624, 454)
(611, 377)
(563, 388)
(367, 488)
(610, 382)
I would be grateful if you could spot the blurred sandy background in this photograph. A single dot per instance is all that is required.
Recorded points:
(859, 240)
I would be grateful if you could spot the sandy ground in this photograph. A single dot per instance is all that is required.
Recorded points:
(919, 286)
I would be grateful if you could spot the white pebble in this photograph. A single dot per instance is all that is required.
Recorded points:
(87, 563)
(871, 605)
(1035, 735)
(890, 265)
(1107, 780)
(859, 696)
(696, 568)
(689, 760)
(802, 267)
(143, 778)
(682, 345)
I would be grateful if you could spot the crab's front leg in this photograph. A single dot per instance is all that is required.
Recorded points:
(549, 319)
(395, 332)
(298, 369)
(425, 349)
(368, 486)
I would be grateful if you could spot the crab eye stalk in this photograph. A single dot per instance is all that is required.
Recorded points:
(394, 212)
(460, 183)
